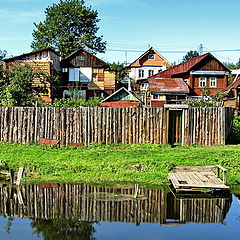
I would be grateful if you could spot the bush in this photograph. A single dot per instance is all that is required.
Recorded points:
(235, 133)
(75, 103)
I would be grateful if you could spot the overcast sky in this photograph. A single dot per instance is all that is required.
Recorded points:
(131, 26)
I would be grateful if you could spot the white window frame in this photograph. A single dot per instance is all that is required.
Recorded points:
(151, 56)
(213, 82)
(144, 86)
(141, 73)
(150, 72)
(202, 82)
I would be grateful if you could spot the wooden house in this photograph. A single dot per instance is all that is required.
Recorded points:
(149, 63)
(122, 98)
(201, 73)
(166, 91)
(46, 60)
(86, 75)
(232, 92)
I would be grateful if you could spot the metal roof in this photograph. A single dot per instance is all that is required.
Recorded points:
(187, 66)
(167, 85)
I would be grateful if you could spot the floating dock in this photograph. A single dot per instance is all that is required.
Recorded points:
(198, 179)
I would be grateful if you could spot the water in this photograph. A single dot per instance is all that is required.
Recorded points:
(71, 212)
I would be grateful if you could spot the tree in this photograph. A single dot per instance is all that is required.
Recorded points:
(69, 25)
(190, 55)
(54, 229)
(3, 53)
(17, 89)
(121, 71)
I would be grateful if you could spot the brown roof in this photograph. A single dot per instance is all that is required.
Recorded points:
(150, 50)
(187, 66)
(233, 85)
(167, 85)
(79, 51)
(30, 53)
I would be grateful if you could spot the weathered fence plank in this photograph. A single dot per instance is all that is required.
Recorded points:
(112, 125)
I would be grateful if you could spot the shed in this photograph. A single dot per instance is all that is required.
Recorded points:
(122, 98)
(166, 90)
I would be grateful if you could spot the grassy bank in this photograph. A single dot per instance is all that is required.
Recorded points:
(146, 164)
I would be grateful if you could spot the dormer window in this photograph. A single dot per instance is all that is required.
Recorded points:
(151, 57)
(81, 58)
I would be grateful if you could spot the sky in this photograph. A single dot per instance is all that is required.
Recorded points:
(130, 27)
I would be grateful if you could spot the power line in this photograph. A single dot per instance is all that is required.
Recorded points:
(178, 51)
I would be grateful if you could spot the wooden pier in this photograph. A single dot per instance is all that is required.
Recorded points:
(198, 179)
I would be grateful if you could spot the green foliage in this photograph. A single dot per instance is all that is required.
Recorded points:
(75, 103)
(17, 87)
(190, 55)
(235, 133)
(3, 53)
(121, 71)
(69, 25)
(215, 100)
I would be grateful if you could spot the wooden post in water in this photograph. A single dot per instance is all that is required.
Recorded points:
(19, 176)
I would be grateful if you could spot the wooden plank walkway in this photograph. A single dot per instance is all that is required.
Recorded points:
(198, 178)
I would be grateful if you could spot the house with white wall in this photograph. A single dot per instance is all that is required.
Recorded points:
(149, 63)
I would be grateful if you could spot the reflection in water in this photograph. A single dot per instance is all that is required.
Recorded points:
(56, 229)
(63, 211)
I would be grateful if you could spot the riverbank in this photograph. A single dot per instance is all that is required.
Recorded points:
(146, 164)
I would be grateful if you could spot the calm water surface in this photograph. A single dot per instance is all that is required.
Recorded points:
(70, 212)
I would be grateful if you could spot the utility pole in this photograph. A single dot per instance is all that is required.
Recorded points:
(200, 49)
(126, 58)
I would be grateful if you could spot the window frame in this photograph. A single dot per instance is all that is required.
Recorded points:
(141, 73)
(151, 56)
(202, 80)
(152, 71)
(213, 79)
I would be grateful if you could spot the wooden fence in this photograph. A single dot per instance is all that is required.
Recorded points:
(66, 201)
(113, 125)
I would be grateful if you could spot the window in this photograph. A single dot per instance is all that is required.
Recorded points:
(81, 58)
(151, 56)
(140, 73)
(202, 82)
(144, 86)
(150, 73)
(74, 74)
(213, 82)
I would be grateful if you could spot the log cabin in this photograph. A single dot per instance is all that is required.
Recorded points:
(45, 60)
(86, 75)
(201, 73)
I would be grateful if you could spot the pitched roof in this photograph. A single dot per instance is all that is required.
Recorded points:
(233, 85)
(30, 53)
(167, 85)
(118, 91)
(187, 66)
(79, 51)
(146, 53)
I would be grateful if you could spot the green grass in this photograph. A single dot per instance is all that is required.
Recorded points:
(146, 164)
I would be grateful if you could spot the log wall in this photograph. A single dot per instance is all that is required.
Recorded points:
(112, 125)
